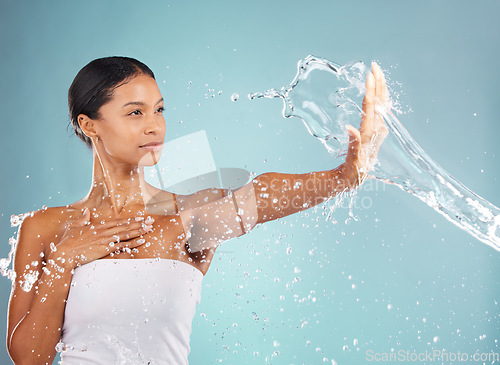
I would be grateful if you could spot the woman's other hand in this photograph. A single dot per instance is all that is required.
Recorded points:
(82, 242)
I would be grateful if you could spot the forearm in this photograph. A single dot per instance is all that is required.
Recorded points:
(280, 194)
(34, 339)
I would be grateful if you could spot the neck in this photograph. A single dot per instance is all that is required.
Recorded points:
(120, 188)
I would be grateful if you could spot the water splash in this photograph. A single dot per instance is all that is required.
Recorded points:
(5, 263)
(327, 97)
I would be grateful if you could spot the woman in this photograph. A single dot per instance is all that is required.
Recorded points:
(116, 276)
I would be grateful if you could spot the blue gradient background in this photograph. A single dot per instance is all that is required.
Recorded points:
(439, 280)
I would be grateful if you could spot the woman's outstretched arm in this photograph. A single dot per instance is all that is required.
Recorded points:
(213, 216)
(279, 194)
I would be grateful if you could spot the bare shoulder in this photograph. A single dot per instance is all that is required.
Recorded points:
(47, 219)
(40, 227)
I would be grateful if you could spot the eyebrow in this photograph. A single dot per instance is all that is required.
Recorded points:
(139, 103)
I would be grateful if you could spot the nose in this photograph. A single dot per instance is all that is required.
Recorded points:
(155, 124)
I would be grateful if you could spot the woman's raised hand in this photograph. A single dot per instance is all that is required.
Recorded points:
(82, 243)
(365, 142)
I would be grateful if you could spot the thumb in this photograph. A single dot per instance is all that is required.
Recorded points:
(354, 139)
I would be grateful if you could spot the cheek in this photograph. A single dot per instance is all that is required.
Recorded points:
(121, 139)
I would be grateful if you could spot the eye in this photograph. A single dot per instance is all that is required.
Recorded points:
(135, 112)
(160, 109)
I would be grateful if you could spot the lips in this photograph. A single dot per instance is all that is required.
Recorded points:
(153, 144)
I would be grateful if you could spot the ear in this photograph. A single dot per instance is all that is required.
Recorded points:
(87, 125)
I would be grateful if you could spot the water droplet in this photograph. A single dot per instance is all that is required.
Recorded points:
(235, 97)
(59, 347)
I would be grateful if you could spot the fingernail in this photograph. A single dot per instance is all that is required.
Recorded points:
(147, 226)
(149, 220)
(379, 72)
(370, 80)
(141, 241)
(138, 219)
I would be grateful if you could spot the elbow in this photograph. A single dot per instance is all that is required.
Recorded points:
(12, 352)
(21, 355)
(16, 356)
(24, 359)
(17, 360)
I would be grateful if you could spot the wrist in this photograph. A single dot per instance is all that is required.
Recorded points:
(351, 177)
(56, 264)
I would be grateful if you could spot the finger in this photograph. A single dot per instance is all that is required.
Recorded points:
(381, 91)
(376, 75)
(132, 243)
(354, 142)
(127, 239)
(117, 234)
(119, 222)
(385, 92)
(124, 232)
(382, 99)
(369, 99)
(366, 126)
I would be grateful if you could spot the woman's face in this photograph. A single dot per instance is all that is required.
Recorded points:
(131, 127)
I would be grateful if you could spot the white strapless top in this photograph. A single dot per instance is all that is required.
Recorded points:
(130, 311)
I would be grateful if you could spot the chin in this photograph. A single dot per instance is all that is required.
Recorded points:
(150, 159)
